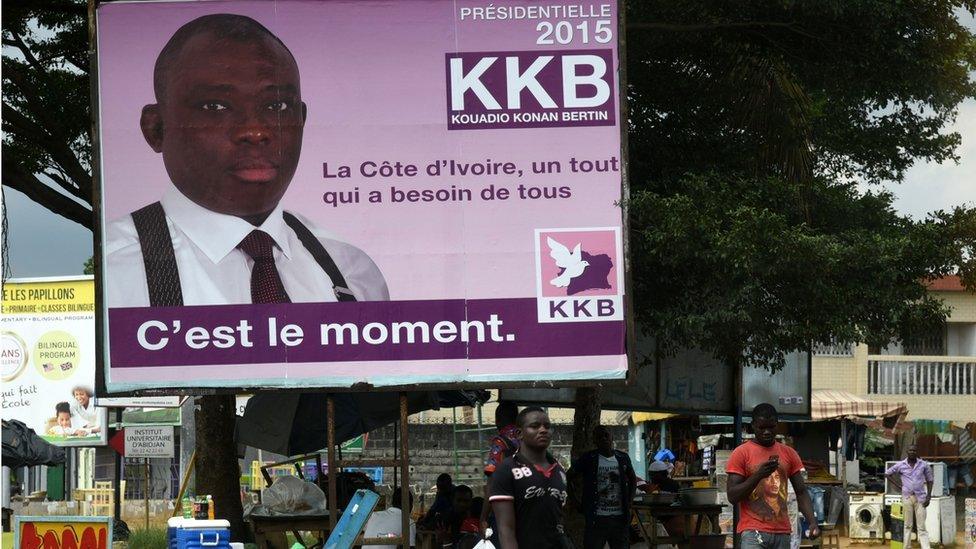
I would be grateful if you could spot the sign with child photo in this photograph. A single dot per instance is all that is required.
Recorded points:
(47, 356)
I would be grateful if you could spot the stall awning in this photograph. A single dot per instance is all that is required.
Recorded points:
(650, 416)
(833, 404)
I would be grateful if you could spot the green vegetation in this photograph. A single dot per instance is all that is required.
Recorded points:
(153, 538)
(755, 130)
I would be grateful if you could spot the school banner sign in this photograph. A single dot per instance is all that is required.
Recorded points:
(47, 353)
(298, 193)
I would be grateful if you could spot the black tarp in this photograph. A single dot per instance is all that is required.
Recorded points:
(22, 447)
(296, 423)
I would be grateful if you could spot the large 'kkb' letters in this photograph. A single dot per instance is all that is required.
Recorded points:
(530, 89)
(516, 82)
(580, 309)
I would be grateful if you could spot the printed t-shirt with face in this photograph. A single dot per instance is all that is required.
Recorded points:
(538, 495)
(608, 487)
(765, 509)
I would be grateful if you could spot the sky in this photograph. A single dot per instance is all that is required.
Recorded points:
(41, 243)
(931, 186)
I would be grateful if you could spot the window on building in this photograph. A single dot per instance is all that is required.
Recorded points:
(927, 341)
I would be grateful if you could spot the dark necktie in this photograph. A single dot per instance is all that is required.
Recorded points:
(266, 286)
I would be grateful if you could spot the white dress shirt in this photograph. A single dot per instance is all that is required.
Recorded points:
(213, 271)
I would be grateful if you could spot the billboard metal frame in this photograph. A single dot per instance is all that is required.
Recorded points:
(101, 309)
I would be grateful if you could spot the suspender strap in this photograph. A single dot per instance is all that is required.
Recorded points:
(322, 257)
(162, 275)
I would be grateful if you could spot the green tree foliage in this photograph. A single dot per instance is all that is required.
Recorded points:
(754, 127)
(46, 105)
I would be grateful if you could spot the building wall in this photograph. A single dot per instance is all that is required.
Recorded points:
(432, 452)
(851, 373)
(559, 416)
(836, 372)
(961, 408)
(963, 305)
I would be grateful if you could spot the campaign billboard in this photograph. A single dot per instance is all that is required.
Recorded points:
(298, 193)
(47, 355)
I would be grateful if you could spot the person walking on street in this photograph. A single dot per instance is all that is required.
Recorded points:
(609, 485)
(758, 471)
(528, 490)
(913, 477)
(504, 444)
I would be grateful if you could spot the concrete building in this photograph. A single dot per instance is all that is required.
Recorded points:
(933, 372)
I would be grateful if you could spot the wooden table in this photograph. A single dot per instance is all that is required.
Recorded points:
(688, 480)
(269, 531)
(648, 516)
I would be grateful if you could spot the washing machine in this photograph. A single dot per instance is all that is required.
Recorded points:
(865, 516)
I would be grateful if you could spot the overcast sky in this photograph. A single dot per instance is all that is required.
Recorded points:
(929, 187)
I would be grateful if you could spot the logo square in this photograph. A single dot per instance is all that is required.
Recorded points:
(579, 275)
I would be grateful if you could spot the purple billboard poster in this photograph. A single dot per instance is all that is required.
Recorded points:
(300, 193)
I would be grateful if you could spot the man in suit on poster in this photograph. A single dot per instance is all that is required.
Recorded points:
(228, 121)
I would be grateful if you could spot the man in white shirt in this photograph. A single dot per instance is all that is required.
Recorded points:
(228, 121)
(389, 522)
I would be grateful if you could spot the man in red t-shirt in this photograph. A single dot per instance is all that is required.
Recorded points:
(758, 471)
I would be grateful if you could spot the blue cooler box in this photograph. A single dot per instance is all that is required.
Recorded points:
(172, 525)
(198, 534)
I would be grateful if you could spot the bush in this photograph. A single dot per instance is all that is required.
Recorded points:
(154, 538)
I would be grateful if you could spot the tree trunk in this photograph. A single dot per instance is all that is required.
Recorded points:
(217, 469)
(587, 407)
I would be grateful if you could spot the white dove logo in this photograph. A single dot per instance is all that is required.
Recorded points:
(571, 262)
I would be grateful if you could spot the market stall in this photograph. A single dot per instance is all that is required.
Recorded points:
(852, 411)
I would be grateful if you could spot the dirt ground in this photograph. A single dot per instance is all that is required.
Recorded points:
(844, 542)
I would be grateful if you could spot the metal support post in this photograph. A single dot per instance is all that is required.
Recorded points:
(737, 441)
(333, 467)
(404, 473)
(117, 485)
(145, 492)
